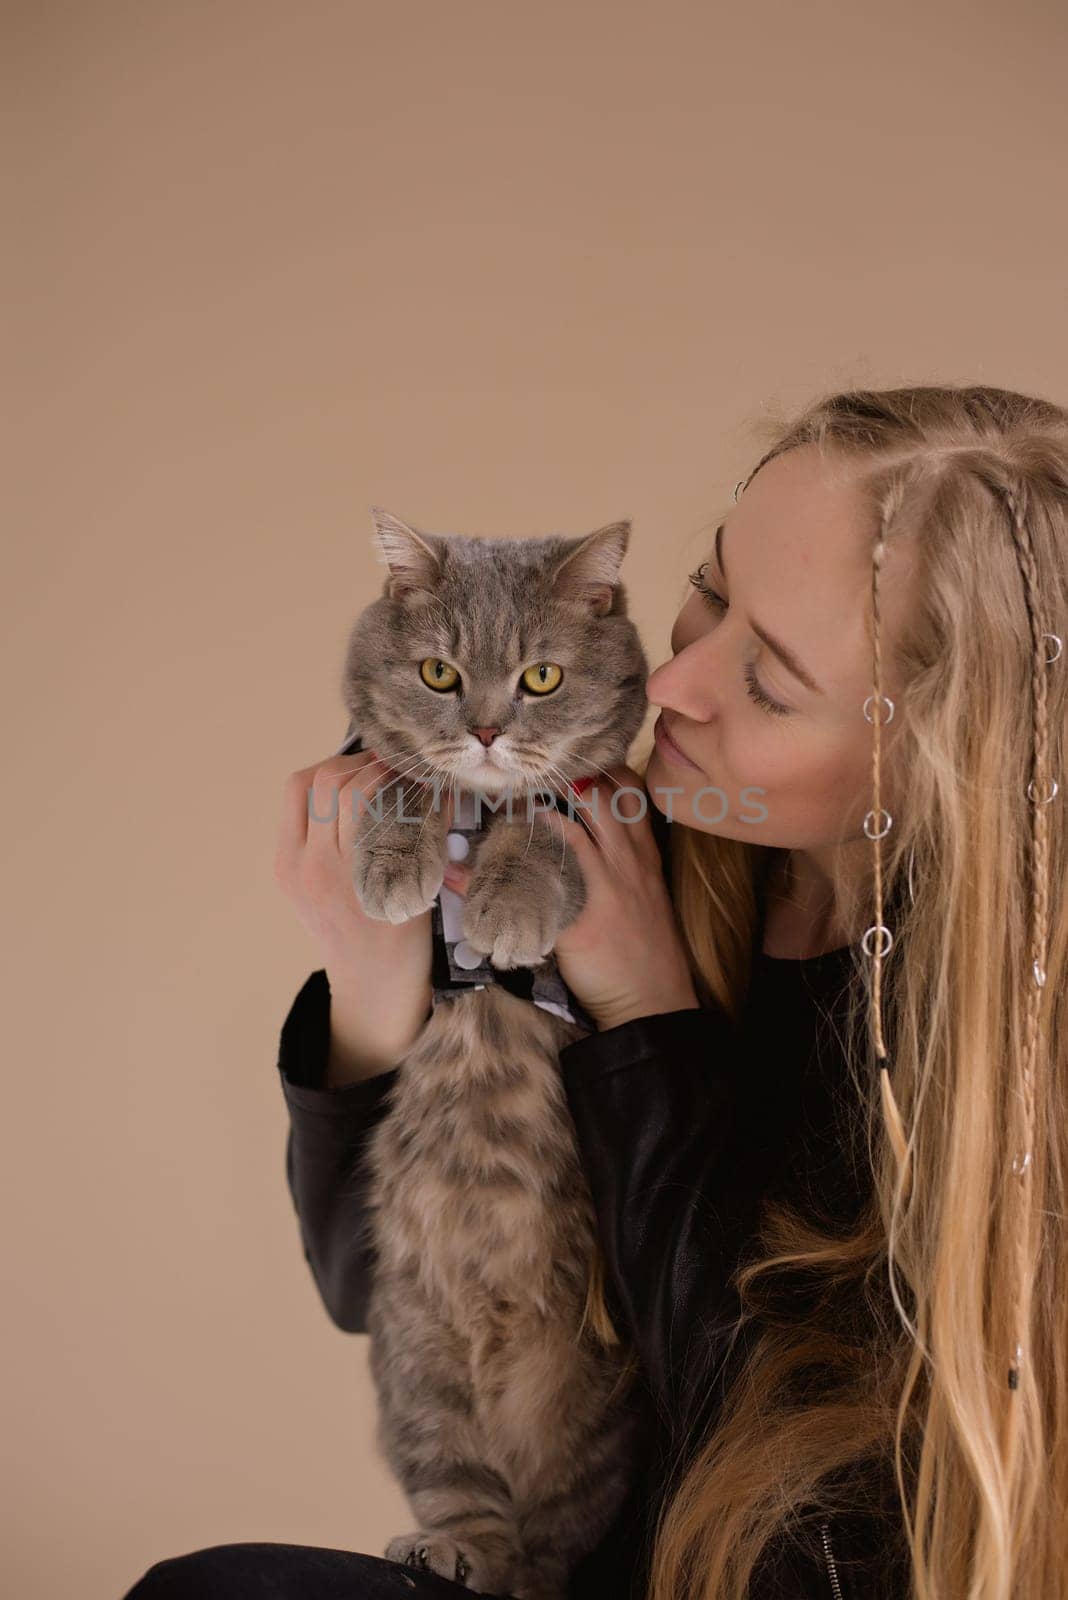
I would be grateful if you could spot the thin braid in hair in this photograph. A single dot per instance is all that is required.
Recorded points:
(891, 1111)
(1023, 1164)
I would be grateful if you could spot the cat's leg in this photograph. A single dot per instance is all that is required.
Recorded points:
(564, 1522)
(564, 1412)
(430, 1433)
(525, 888)
(399, 853)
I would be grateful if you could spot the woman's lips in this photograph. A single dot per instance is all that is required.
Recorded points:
(668, 749)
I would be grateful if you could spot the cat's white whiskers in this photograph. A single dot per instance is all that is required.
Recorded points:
(366, 802)
(598, 768)
(542, 788)
(389, 756)
(591, 820)
(437, 799)
(376, 803)
(563, 838)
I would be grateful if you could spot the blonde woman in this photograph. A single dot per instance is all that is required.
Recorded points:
(824, 1116)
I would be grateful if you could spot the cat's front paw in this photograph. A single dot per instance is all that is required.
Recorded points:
(397, 879)
(515, 925)
(432, 1552)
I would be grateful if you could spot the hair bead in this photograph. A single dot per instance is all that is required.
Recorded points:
(879, 928)
(1049, 797)
(884, 831)
(867, 715)
(1014, 1370)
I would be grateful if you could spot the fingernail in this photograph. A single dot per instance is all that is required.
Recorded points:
(580, 785)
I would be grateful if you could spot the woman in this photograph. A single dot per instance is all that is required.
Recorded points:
(845, 1281)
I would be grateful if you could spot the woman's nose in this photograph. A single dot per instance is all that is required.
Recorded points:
(685, 683)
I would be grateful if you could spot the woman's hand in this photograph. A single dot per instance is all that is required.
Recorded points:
(379, 972)
(623, 956)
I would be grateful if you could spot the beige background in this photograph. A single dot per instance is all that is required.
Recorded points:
(504, 269)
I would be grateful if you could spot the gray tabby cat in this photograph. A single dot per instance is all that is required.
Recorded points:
(493, 665)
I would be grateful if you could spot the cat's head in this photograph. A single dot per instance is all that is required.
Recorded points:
(496, 664)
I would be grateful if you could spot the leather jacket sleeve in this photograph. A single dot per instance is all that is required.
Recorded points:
(654, 1103)
(329, 1130)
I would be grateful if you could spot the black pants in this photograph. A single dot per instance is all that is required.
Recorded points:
(288, 1572)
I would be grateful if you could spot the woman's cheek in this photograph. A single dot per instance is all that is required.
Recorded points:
(749, 773)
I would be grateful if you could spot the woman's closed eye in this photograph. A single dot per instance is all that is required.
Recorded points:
(717, 603)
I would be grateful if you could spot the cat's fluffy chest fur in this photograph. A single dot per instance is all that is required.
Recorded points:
(475, 1167)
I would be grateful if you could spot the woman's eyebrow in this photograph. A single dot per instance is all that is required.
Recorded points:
(784, 653)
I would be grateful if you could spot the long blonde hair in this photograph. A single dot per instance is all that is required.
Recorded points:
(919, 1308)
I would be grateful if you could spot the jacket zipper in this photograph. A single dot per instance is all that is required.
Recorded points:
(832, 1570)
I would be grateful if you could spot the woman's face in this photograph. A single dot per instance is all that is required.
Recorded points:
(793, 565)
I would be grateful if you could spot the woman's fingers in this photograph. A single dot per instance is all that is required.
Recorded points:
(622, 956)
(339, 786)
(615, 811)
(385, 966)
(316, 804)
(457, 877)
(294, 821)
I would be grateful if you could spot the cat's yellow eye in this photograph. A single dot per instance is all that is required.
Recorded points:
(438, 674)
(543, 678)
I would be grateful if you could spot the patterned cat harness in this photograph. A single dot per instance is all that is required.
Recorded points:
(457, 968)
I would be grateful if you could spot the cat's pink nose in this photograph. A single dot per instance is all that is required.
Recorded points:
(487, 735)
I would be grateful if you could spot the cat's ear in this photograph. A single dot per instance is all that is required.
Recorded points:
(413, 559)
(589, 573)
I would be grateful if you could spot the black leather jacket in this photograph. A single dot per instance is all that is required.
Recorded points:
(683, 1123)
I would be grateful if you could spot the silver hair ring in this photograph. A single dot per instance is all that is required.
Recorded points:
(1057, 641)
(1049, 797)
(884, 831)
(912, 858)
(868, 702)
(877, 927)
(1040, 975)
(1020, 1164)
